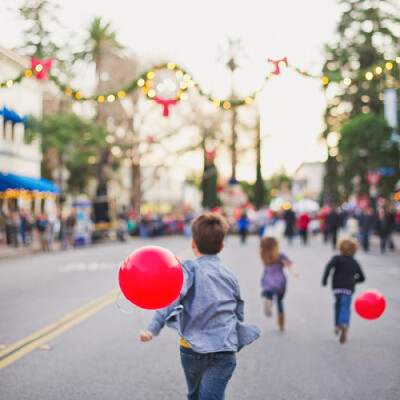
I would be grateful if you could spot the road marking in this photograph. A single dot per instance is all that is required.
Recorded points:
(17, 350)
(24, 346)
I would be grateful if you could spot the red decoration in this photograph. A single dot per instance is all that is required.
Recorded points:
(151, 277)
(41, 72)
(166, 104)
(276, 62)
(210, 155)
(373, 177)
(220, 188)
(150, 139)
(237, 212)
(370, 304)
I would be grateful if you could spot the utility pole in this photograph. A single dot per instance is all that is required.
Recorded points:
(234, 48)
(259, 189)
(232, 66)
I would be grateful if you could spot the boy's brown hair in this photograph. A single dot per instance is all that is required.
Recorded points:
(269, 250)
(348, 246)
(209, 230)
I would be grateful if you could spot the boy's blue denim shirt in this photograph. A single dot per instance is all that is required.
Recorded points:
(209, 312)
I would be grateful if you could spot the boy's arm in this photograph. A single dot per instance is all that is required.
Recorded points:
(240, 309)
(239, 304)
(161, 315)
(328, 268)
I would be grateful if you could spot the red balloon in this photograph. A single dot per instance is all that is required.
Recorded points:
(151, 277)
(370, 304)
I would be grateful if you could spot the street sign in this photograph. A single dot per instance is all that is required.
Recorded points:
(387, 171)
(373, 177)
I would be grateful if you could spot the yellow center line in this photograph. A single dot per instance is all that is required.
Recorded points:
(24, 346)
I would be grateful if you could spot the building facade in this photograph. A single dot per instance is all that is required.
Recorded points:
(308, 180)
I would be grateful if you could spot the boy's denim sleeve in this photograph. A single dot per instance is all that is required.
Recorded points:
(240, 305)
(161, 315)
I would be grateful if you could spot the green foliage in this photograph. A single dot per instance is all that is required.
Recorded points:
(209, 186)
(100, 42)
(363, 148)
(280, 181)
(366, 38)
(73, 140)
(39, 14)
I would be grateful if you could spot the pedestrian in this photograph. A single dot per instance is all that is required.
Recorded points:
(273, 281)
(322, 217)
(347, 272)
(28, 230)
(9, 227)
(41, 225)
(304, 221)
(15, 229)
(50, 228)
(70, 228)
(290, 218)
(367, 221)
(208, 314)
(392, 221)
(332, 225)
(243, 224)
(2, 227)
(383, 228)
(22, 227)
(352, 226)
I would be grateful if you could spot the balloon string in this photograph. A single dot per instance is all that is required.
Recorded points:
(138, 314)
(119, 295)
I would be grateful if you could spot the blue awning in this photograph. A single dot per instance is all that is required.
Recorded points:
(12, 181)
(11, 115)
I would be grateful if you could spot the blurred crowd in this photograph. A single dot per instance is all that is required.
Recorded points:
(23, 229)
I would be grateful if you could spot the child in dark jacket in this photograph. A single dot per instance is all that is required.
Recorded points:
(347, 272)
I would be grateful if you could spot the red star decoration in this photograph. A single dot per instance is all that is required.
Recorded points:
(276, 62)
(166, 104)
(42, 71)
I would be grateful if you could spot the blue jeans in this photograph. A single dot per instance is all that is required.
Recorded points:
(207, 375)
(279, 298)
(342, 309)
(383, 242)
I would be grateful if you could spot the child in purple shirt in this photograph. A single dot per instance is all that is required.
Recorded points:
(273, 281)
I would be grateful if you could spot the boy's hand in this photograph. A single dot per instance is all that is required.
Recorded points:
(145, 335)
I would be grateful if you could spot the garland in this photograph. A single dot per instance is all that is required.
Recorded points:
(146, 83)
(376, 72)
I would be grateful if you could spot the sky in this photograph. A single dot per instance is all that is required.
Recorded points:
(194, 33)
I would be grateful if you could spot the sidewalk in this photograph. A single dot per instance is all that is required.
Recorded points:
(10, 252)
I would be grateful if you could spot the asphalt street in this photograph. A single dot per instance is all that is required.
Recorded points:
(98, 355)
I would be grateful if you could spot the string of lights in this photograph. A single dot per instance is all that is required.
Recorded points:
(156, 85)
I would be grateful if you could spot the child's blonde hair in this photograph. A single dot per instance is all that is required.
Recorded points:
(348, 246)
(269, 250)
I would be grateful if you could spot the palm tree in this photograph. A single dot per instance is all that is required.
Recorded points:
(100, 43)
